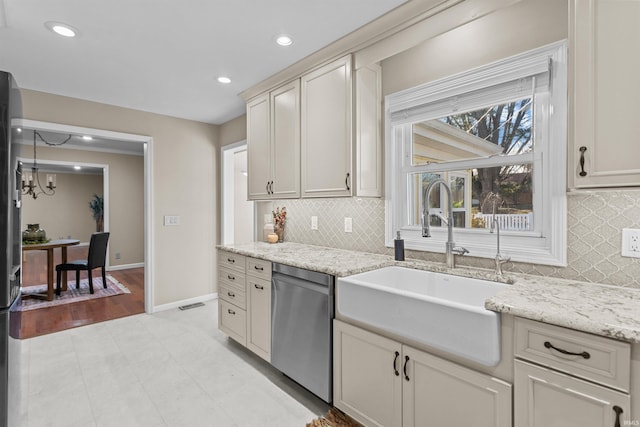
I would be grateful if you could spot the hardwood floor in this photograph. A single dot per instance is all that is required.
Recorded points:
(53, 319)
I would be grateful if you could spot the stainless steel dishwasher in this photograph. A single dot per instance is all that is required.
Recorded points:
(301, 334)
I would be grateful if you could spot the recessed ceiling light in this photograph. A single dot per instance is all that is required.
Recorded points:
(19, 130)
(77, 167)
(61, 29)
(87, 137)
(225, 80)
(284, 40)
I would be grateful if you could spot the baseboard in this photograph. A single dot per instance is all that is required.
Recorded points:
(177, 304)
(125, 266)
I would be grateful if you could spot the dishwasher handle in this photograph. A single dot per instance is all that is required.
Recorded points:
(282, 281)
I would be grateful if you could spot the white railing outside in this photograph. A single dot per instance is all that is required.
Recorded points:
(516, 222)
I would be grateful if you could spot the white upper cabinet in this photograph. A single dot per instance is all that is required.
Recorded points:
(326, 130)
(368, 118)
(285, 141)
(258, 148)
(309, 138)
(605, 36)
(273, 144)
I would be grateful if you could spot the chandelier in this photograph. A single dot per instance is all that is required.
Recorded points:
(31, 185)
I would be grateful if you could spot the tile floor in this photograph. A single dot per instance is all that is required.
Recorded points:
(172, 368)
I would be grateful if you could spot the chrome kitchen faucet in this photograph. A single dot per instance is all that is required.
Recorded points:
(451, 248)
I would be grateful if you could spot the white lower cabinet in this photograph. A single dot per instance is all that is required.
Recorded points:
(244, 301)
(259, 317)
(546, 398)
(381, 382)
(575, 379)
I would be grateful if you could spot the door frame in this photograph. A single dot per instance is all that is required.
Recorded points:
(148, 186)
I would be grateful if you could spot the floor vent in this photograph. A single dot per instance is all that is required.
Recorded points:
(194, 305)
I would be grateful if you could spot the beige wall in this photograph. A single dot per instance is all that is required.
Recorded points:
(233, 131)
(66, 214)
(524, 26)
(184, 179)
(126, 199)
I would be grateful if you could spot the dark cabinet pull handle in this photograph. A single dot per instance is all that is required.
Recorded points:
(584, 354)
(618, 411)
(582, 171)
(231, 260)
(231, 294)
(346, 181)
(258, 287)
(395, 360)
(404, 369)
(230, 277)
(270, 187)
(258, 268)
(267, 188)
(231, 311)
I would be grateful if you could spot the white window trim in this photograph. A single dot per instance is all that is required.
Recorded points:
(547, 243)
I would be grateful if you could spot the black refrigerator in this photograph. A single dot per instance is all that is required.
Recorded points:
(11, 250)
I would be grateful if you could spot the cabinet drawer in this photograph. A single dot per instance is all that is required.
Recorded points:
(231, 260)
(259, 268)
(232, 279)
(595, 358)
(232, 295)
(232, 321)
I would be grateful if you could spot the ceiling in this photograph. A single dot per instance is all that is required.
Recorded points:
(165, 56)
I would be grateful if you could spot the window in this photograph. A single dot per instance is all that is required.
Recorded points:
(497, 135)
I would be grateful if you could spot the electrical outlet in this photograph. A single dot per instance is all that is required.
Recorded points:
(314, 222)
(631, 242)
(348, 225)
(117, 255)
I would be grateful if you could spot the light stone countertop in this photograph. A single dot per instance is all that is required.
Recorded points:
(604, 310)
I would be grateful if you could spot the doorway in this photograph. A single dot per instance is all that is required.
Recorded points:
(238, 213)
(128, 261)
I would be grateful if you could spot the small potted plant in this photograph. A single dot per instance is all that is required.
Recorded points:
(96, 204)
(279, 219)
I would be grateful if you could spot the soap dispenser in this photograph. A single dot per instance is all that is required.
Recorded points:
(398, 245)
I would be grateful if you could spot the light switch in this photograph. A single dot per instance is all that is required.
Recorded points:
(171, 220)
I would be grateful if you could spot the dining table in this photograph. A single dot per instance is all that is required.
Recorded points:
(49, 246)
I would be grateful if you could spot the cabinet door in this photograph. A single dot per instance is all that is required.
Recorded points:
(368, 170)
(258, 149)
(605, 35)
(232, 321)
(326, 130)
(366, 370)
(259, 317)
(285, 141)
(437, 392)
(545, 398)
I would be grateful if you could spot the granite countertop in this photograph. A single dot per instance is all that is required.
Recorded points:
(604, 310)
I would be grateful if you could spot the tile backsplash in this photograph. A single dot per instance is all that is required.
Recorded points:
(595, 223)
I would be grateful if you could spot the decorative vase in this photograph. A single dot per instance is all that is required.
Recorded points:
(279, 230)
(34, 234)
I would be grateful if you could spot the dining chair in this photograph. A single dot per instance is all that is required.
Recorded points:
(97, 257)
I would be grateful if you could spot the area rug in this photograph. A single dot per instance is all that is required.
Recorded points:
(72, 294)
(334, 418)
